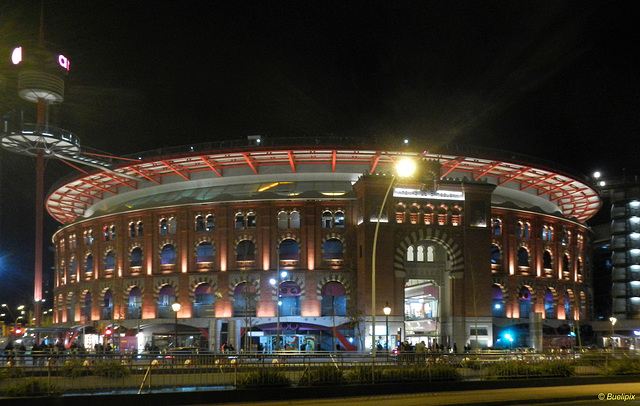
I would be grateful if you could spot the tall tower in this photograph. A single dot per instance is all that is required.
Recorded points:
(40, 76)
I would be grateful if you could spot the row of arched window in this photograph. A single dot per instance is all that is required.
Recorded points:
(547, 259)
(206, 223)
(289, 250)
(333, 302)
(523, 230)
(551, 301)
(428, 214)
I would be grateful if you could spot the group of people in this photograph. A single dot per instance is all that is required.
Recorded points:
(227, 348)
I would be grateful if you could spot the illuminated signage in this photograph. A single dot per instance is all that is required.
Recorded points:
(64, 62)
(428, 194)
(17, 57)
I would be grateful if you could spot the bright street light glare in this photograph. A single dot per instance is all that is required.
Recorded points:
(406, 167)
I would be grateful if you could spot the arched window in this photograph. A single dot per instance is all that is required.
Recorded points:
(338, 221)
(496, 227)
(410, 253)
(244, 300)
(106, 235)
(107, 305)
(164, 228)
(168, 255)
(204, 301)
(566, 270)
(112, 233)
(414, 214)
(134, 308)
(519, 229)
(497, 302)
(496, 255)
(110, 261)
(579, 268)
(140, 228)
(283, 220)
(73, 269)
(166, 297)
(567, 306)
(294, 219)
(245, 251)
(290, 299)
(289, 250)
(251, 220)
(239, 221)
(88, 265)
(428, 215)
(547, 261)
(523, 257)
(86, 309)
(332, 249)
(443, 214)
(549, 308)
(420, 253)
(525, 302)
(430, 254)
(199, 223)
(526, 233)
(135, 258)
(173, 225)
(333, 299)
(210, 223)
(327, 219)
(456, 217)
(400, 213)
(204, 252)
(132, 230)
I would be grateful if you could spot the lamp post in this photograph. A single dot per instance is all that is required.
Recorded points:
(277, 282)
(403, 168)
(387, 311)
(613, 321)
(176, 308)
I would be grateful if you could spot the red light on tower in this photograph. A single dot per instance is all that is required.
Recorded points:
(108, 332)
(17, 331)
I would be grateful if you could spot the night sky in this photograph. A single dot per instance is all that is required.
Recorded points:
(551, 79)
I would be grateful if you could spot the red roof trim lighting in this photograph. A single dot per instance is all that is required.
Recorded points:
(573, 196)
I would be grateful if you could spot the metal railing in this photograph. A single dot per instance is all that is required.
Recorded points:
(80, 372)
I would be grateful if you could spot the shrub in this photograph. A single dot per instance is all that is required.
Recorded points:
(361, 374)
(72, 369)
(32, 387)
(11, 372)
(111, 369)
(327, 375)
(557, 368)
(429, 373)
(623, 367)
(518, 369)
(263, 378)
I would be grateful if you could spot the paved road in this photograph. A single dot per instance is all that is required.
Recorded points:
(557, 395)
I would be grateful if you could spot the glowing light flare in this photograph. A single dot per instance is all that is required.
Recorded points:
(16, 55)
(406, 167)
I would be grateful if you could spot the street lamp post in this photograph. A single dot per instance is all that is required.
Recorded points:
(404, 168)
(277, 282)
(613, 321)
(387, 311)
(176, 308)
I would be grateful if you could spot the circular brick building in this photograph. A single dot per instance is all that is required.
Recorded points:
(267, 243)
